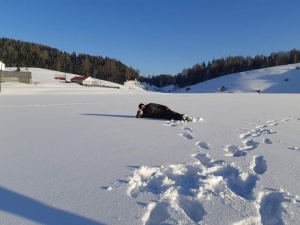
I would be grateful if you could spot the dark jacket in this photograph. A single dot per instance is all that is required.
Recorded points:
(153, 110)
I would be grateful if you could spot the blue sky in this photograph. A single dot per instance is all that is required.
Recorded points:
(156, 36)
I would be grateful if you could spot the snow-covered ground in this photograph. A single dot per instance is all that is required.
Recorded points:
(76, 155)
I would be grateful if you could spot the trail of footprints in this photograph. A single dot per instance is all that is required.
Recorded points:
(182, 188)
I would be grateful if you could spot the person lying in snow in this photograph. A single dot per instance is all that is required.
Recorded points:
(153, 110)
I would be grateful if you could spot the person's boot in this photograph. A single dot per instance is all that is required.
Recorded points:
(189, 119)
(186, 118)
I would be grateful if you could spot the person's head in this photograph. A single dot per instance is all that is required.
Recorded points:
(141, 106)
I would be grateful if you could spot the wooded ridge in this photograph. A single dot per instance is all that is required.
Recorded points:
(25, 54)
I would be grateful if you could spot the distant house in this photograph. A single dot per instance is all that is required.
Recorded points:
(2, 66)
(78, 79)
(89, 82)
(60, 77)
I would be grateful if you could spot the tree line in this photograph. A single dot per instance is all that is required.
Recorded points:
(202, 72)
(25, 54)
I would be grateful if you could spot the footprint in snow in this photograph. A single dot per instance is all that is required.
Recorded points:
(257, 132)
(260, 165)
(266, 131)
(219, 171)
(234, 151)
(245, 135)
(273, 122)
(170, 124)
(187, 129)
(106, 188)
(270, 209)
(242, 186)
(260, 126)
(287, 119)
(203, 158)
(187, 135)
(239, 183)
(267, 141)
(203, 145)
(158, 213)
(207, 162)
(250, 144)
(192, 208)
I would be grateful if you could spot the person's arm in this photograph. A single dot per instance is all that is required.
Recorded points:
(139, 114)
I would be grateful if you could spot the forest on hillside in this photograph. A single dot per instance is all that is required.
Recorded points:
(25, 54)
(220, 67)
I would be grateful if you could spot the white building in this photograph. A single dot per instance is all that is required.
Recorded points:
(2, 66)
(89, 82)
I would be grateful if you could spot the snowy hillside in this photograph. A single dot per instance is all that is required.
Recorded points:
(280, 79)
(45, 83)
(77, 155)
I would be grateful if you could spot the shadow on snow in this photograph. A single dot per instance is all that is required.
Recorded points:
(39, 212)
(121, 116)
(109, 115)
